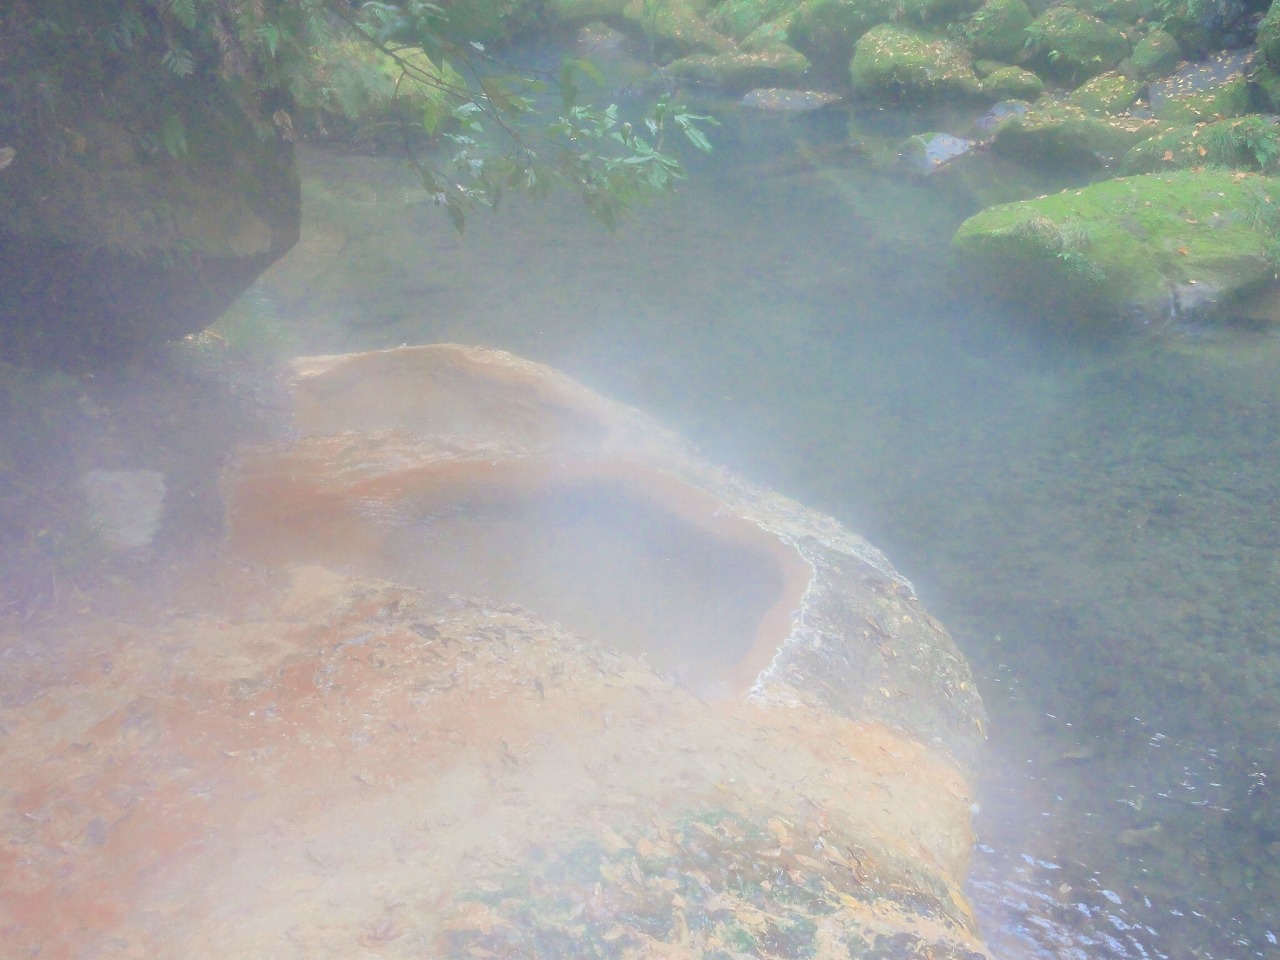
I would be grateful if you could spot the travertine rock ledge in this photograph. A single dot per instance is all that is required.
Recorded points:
(320, 764)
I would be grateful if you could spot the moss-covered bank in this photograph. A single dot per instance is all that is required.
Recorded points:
(1154, 247)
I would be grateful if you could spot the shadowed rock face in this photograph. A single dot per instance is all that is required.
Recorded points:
(112, 241)
(311, 763)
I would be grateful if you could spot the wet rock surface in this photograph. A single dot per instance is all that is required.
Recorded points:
(303, 761)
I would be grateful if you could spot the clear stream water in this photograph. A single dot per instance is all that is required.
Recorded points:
(1095, 521)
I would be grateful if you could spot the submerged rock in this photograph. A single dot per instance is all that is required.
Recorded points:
(926, 153)
(778, 100)
(340, 763)
(741, 69)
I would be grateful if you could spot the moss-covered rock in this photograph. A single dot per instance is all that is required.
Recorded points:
(998, 29)
(1246, 143)
(1067, 133)
(894, 64)
(826, 30)
(370, 92)
(774, 66)
(1012, 83)
(1269, 38)
(136, 208)
(1074, 45)
(1202, 27)
(1117, 11)
(1150, 247)
(1182, 102)
(1267, 82)
(678, 26)
(1154, 55)
(487, 21)
(1107, 93)
(740, 18)
(984, 68)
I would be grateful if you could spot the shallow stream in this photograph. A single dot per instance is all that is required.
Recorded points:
(1095, 520)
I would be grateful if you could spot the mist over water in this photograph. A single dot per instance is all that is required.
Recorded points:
(1094, 521)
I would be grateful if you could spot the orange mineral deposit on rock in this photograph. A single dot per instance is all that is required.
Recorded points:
(516, 675)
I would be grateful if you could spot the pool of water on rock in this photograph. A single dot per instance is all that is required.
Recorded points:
(1094, 521)
(601, 562)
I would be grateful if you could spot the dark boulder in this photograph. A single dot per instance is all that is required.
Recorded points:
(138, 203)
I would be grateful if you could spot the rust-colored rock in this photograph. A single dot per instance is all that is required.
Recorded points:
(320, 764)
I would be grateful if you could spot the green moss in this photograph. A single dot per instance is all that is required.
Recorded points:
(739, 18)
(997, 30)
(678, 25)
(892, 64)
(776, 65)
(1246, 143)
(1155, 55)
(1074, 45)
(1133, 244)
(1067, 133)
(584, 11)
(487, 20)
(1231, 98)
(1107, 93)
(368, 91)
(1012, 83)
(1269, 38)
(766, 36)
(826, 30)
(1267, 81)
(1118, 11)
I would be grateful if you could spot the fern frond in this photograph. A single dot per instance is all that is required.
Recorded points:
(184, 11)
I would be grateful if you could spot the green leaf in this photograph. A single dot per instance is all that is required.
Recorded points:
(179, 61)
(502, 98)
(698, 139)
(184, 11)
(456, 213)
(269, 34)
(431, 116)
(568, 87)
(173, 135)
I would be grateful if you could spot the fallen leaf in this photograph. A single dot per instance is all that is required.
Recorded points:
(1185, 251)
(613, 843)
(475, 916)
(1168, 155)
(779, 830)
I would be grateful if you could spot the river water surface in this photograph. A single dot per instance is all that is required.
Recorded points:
(1094, 519)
